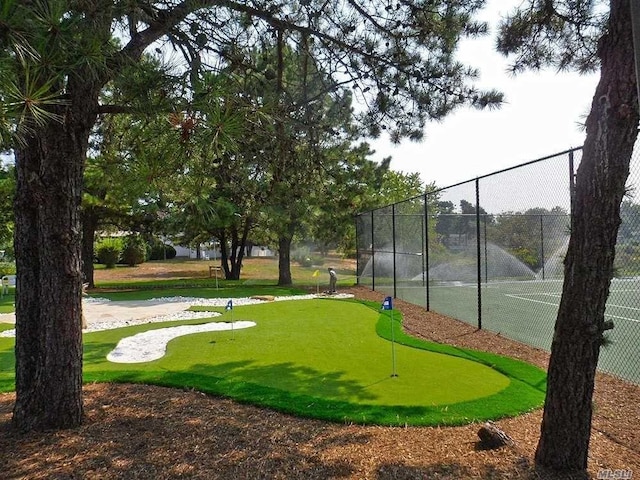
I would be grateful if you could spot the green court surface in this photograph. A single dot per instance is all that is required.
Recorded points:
(526, 311)
(327, 359)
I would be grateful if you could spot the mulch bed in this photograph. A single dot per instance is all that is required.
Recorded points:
(138, 431)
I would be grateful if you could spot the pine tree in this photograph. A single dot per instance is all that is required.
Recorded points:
(582, 36)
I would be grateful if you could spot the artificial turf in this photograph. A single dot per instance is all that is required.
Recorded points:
(326, 359)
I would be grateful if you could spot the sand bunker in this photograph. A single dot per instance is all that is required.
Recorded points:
(152, 345)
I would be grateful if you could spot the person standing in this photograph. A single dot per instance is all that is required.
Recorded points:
(333, 279)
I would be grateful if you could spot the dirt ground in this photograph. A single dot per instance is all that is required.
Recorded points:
(148, 432)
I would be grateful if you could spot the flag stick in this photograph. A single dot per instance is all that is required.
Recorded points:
(388, 305)
(393, 349)
(229, 307)
(317, 275)
(233, 333)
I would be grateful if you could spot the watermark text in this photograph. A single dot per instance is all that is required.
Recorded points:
(608, 474)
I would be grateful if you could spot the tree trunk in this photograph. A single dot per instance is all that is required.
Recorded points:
(600, 186)
(236, 255)
(284, 261)
(225, 260)
(49, 275)
(236, 259)
(232, 261)
(242, 248)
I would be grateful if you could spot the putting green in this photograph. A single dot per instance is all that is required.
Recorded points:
(335, 353)
(330, 359)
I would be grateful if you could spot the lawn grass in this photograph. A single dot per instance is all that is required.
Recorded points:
(304, 280)
(7, 302)
(142, 291)
(186, 273)
(325, 359)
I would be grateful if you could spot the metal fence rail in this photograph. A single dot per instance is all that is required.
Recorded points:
(490, 252)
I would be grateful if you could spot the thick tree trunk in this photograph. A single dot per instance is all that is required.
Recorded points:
(49, 274)
(242, 247)
(49, 285)
(227, 259)
(600, 186)
(237, 254)
(232, 261)
(236, 263)
(284, 261)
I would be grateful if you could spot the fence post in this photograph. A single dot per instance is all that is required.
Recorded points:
(373, 255)
(542, 244)
(422, 226)
(425, 262)
(572, 179)
(393, 234)
(357, 251)
(486, 253)
(478, 253)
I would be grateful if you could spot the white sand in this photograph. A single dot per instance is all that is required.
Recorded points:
(152, 345)
(104, 314)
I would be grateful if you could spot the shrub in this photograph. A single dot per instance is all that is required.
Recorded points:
(159, 250)
(9, 254)
(171, 252)
(108, 251)
(7, 268)
(348, 252)
(302, 255)
(134, 251)
(305, 258)
(317, 261)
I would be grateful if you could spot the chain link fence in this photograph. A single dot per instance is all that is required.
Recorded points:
(490, 252)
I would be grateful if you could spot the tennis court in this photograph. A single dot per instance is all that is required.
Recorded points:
(526, 311)
(508, 230)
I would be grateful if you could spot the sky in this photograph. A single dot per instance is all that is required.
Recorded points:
(541, 115)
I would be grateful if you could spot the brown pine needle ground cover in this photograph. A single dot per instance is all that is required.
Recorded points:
(148, 432)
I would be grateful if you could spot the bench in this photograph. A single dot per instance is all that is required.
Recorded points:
(217, 271)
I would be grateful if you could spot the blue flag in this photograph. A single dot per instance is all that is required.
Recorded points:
(387, 304)
(229, 305)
